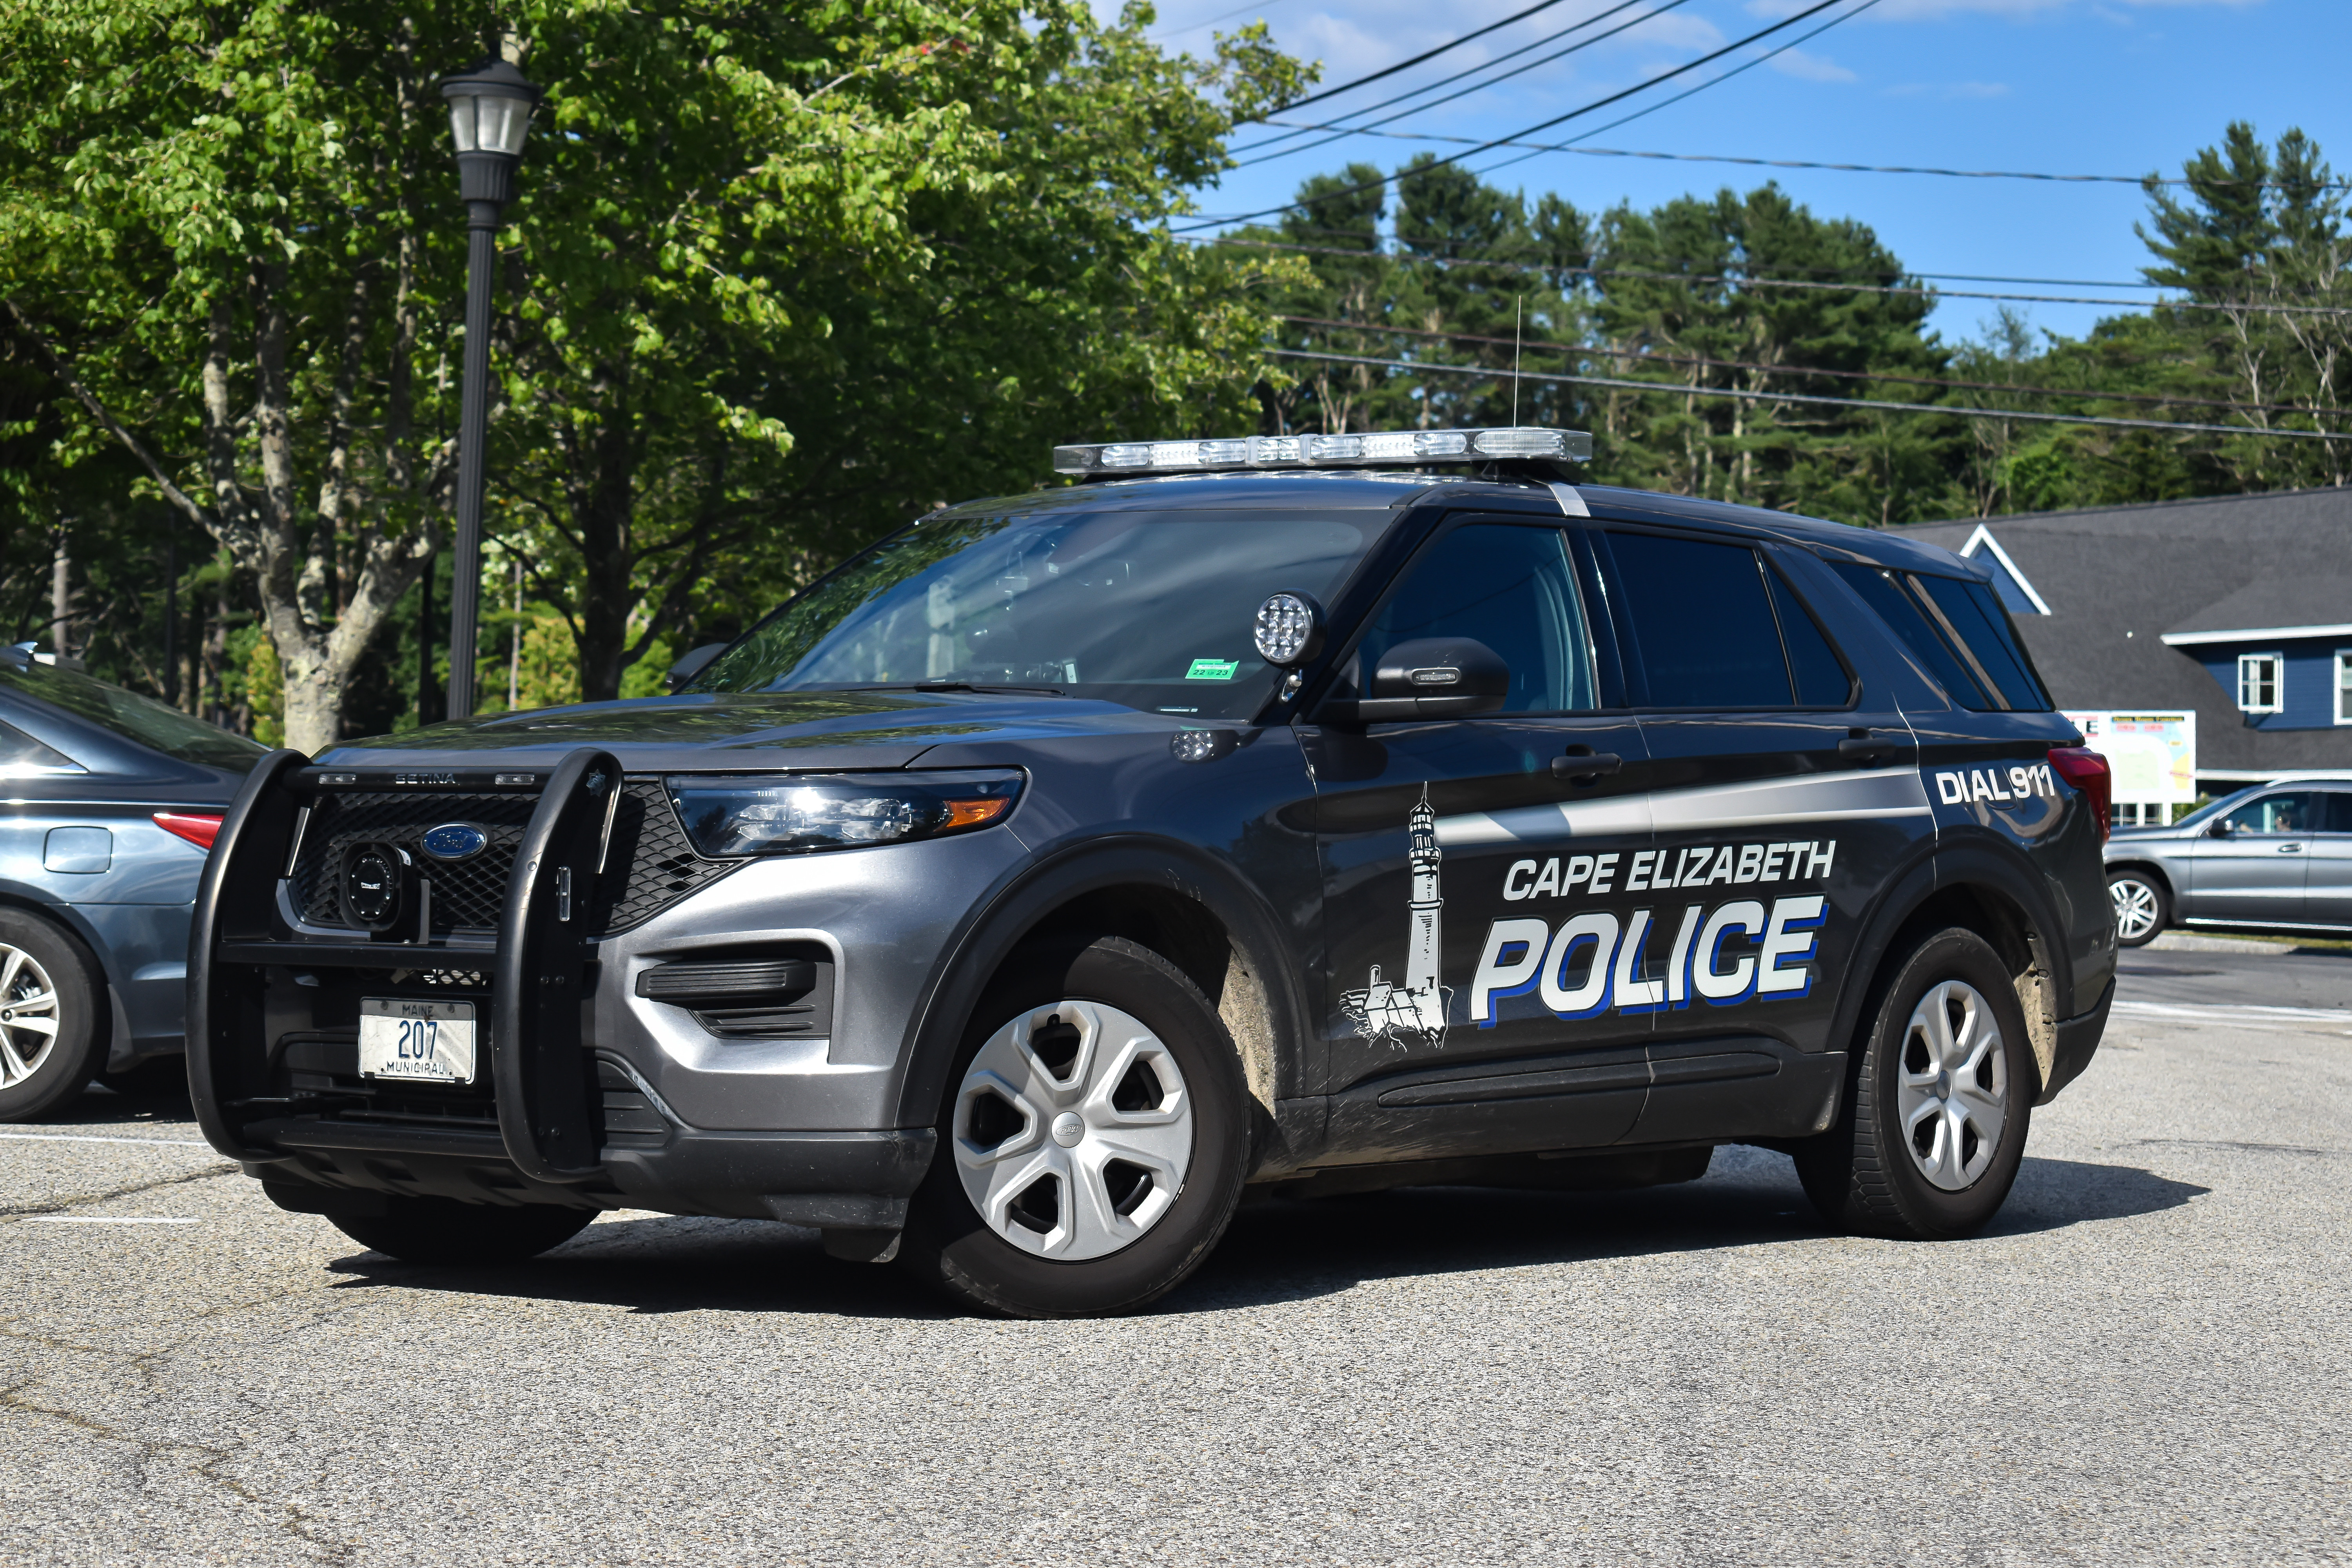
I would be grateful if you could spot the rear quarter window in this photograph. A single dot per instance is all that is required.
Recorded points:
(1908, 620)
(1985, 628)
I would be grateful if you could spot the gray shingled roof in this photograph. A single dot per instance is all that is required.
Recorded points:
(2117, 578)
(2278, 599)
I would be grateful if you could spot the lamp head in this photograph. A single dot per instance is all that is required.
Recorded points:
(490, 113)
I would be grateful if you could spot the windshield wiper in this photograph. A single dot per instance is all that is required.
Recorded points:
(960, 686)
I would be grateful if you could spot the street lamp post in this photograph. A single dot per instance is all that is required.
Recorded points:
(490, 109)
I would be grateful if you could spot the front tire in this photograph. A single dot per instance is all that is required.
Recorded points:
(2142, 908)
(1938, 1106)
(441, 1230)
(1093, 1140)
(49, 997)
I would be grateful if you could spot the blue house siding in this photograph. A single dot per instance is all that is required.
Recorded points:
(2308, 700)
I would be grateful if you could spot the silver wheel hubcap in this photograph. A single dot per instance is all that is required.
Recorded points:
(2135, 908)
(1952, 1086)
(28, 1015)
(1073, 1130)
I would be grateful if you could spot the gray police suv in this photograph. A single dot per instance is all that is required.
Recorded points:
(1287, 813)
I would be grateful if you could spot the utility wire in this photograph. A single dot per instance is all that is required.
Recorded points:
(1344, 132)
(1740, 282)
(1803, 163)
(1227, 17)
(1454, 44)
(1741, 69)
(1683, 69)
(1648, 357)
(1722, 392)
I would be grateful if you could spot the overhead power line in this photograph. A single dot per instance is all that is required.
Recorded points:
(1813, 10)
(1803, 163)
(1793, 283)
(1669, 389)
(1344, 132)
(1648, 357)
(1451, 44)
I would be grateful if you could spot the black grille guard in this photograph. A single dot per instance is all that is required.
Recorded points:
(540, 968)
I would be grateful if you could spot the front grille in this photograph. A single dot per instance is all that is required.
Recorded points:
(660, 865)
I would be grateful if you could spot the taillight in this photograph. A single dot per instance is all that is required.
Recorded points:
(197, 830)
(2086, 770)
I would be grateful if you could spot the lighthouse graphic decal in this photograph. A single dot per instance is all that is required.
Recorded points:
(1412, 1013)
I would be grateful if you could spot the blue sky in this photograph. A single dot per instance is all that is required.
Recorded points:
(2101, 87)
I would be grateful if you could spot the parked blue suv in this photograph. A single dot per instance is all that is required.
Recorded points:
(111, 802)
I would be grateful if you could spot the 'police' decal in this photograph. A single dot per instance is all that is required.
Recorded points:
(1597, 959)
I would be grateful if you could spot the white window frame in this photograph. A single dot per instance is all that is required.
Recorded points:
(2344, 685)
(2278, 683)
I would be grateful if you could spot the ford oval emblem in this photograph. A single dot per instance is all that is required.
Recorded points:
(454, 841)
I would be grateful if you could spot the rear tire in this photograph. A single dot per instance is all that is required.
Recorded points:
(1938, 1106)
(440, 1230)
(50, 993)
(2142, 908)
(1093, 1140)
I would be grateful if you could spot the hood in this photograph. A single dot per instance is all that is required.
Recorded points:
(752, 731)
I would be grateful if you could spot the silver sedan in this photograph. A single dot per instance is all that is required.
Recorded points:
(2273, 857)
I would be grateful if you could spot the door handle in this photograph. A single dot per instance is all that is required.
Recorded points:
(1867, 749)
(1585, 765)
(2290, 849)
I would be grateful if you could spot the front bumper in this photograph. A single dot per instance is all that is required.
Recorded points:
(555, 1116)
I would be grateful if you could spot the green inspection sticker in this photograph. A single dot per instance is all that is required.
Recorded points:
(1213, 670)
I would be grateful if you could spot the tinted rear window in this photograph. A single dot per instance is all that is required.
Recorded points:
(1702, 620)
(1909, 621)
(134, 718)
(1821, 680)
(1987, 629)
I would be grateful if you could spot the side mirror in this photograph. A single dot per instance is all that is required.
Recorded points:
(2220, 829)
(693, 664)
(1431, 678)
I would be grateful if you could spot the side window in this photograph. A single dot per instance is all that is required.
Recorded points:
(20, 754)
(2294, 812)
(2339, 812)
(1904, 615)
(1512, 588)
(1701, 620)
(1984, 630)
(1822, 678)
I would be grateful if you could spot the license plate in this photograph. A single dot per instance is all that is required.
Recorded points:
(431, 1041)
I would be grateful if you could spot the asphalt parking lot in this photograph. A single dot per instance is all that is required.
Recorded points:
(2147, 1359)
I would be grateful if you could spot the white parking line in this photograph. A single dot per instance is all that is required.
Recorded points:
(84, 1137)
(106, 1219)
(2239, 1014)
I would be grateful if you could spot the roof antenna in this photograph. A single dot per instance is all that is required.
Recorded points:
(1518, 318)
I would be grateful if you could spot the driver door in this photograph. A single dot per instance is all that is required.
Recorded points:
(1470, 889)
(2255, 873)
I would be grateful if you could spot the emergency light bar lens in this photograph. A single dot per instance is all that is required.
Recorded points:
(1369, 448)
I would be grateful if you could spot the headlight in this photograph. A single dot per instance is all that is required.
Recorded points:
(732, 816)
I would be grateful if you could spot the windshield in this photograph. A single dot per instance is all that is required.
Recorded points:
(1151, 609)
(2213, 807)
(133, 717)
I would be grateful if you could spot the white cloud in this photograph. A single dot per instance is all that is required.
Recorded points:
(1951, 92)
(1811, 68)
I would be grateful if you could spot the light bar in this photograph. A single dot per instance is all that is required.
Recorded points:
(1370, 449)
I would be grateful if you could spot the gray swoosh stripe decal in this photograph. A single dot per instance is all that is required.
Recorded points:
(1874, 795)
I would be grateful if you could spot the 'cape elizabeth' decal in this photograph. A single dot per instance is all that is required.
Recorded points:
(1413, 1013)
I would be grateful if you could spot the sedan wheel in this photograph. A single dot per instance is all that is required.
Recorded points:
(2139, 908)
(28, 1015)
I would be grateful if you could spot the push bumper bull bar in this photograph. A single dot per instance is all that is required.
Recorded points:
(543, 1071)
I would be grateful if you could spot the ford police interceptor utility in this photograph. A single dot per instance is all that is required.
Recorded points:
(1276, 814)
